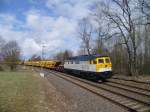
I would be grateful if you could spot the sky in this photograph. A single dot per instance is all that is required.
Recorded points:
(33, 23)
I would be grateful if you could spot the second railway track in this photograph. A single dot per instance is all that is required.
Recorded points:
(132, 84)
(129, 103)
(132, 89)
(132, 80)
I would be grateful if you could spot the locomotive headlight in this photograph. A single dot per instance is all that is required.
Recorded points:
(104, 69)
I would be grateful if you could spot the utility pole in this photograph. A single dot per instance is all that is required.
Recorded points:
(42, 58)
(43, 53)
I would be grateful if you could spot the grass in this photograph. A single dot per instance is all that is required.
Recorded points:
(21, 91)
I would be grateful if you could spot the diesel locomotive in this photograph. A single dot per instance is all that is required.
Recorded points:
(95, 66)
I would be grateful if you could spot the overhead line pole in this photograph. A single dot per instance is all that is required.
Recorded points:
(42, 58)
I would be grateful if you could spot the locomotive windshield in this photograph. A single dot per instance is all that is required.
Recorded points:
(100, 61)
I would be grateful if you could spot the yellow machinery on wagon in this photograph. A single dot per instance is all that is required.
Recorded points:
(50, 64)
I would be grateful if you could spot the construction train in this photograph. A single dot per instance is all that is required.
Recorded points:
(96, 67)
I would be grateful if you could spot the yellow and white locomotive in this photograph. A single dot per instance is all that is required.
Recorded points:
(95, 66)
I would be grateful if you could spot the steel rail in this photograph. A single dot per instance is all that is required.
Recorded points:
(129, 85)
(127, 108)
(127, 89)
(141, 82)
(96, 85)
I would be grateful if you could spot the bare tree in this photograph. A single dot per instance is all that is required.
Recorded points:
(146, 54)
(100, 34)
(82, 50)
(85, 34)
(118, 56)
(35, 58)
(67, 54)
(122, 24)
(11, 54)
(123, 21)
(101, 31)
(2, 43)
(145, 7)
(62, 56)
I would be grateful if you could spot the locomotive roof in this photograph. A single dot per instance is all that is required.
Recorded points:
(85, 57)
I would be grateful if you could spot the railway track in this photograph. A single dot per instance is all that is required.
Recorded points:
(141, 82)
(129, 83)
(116, 94)
(132, 89)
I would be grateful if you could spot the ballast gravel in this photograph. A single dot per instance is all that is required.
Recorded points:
(68, 97)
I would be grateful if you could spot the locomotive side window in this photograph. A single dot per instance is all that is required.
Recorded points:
(77, 62)
(107, 60)
(90, 61)
(94, 62)
(66, 62)
(100, 61)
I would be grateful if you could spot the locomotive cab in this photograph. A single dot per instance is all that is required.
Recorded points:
(104, 67)
(103, 64)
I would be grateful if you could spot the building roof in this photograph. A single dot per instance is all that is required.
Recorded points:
(85, 57)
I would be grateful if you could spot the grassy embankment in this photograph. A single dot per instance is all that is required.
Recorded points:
(21, 91)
